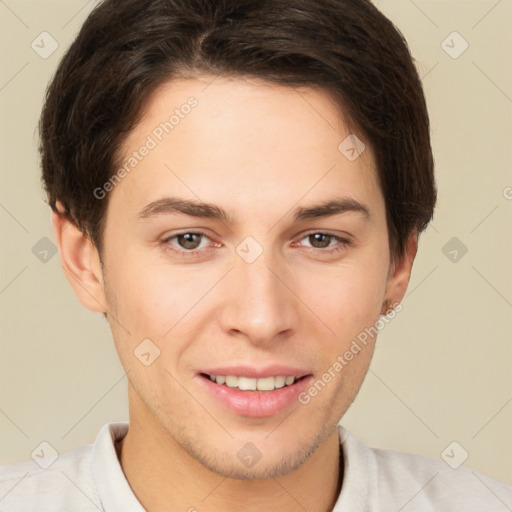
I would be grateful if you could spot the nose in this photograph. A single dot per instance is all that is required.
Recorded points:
(260, 302)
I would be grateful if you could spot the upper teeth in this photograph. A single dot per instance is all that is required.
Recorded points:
(251, 384)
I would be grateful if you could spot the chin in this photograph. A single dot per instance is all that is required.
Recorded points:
(246, 457)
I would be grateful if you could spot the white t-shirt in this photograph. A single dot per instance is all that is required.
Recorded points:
(91, 479)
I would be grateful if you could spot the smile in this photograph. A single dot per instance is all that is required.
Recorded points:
(253, 384)
(255, 397)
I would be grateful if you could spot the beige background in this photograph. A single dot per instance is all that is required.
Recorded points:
(442, 368)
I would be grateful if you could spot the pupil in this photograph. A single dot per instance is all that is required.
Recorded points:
(318, 238)
(188, 239)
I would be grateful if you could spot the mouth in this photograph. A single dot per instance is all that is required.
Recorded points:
(264, 384)
(255, 396)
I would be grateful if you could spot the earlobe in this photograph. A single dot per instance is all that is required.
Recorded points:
(80, 261)
(399, 275)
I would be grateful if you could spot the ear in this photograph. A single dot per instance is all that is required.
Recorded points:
(399, 274)
(80, 261)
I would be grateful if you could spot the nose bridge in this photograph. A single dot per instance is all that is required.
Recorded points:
(259, 304)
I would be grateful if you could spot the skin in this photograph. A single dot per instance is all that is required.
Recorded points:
(259, 151)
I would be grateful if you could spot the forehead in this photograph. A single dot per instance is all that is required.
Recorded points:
(245, 110)
(241, 142)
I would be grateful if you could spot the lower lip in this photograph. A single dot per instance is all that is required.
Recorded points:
(256, 403)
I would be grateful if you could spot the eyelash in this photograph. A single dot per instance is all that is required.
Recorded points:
(343, 243)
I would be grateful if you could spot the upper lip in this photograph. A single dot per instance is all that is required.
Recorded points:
(273, 370)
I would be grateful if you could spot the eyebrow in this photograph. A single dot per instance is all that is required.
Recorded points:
(174, 205)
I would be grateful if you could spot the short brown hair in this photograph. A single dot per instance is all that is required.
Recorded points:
(127, 48)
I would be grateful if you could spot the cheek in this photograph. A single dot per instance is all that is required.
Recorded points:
(348, 298)
(158, 300)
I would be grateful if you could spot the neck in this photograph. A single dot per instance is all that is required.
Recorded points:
(170, 479)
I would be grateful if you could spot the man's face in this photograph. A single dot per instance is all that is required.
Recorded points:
(258, 291)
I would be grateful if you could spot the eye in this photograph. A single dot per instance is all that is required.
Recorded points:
(319, 240)
(186, 243)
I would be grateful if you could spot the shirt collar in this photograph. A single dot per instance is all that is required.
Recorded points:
(113, 488)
